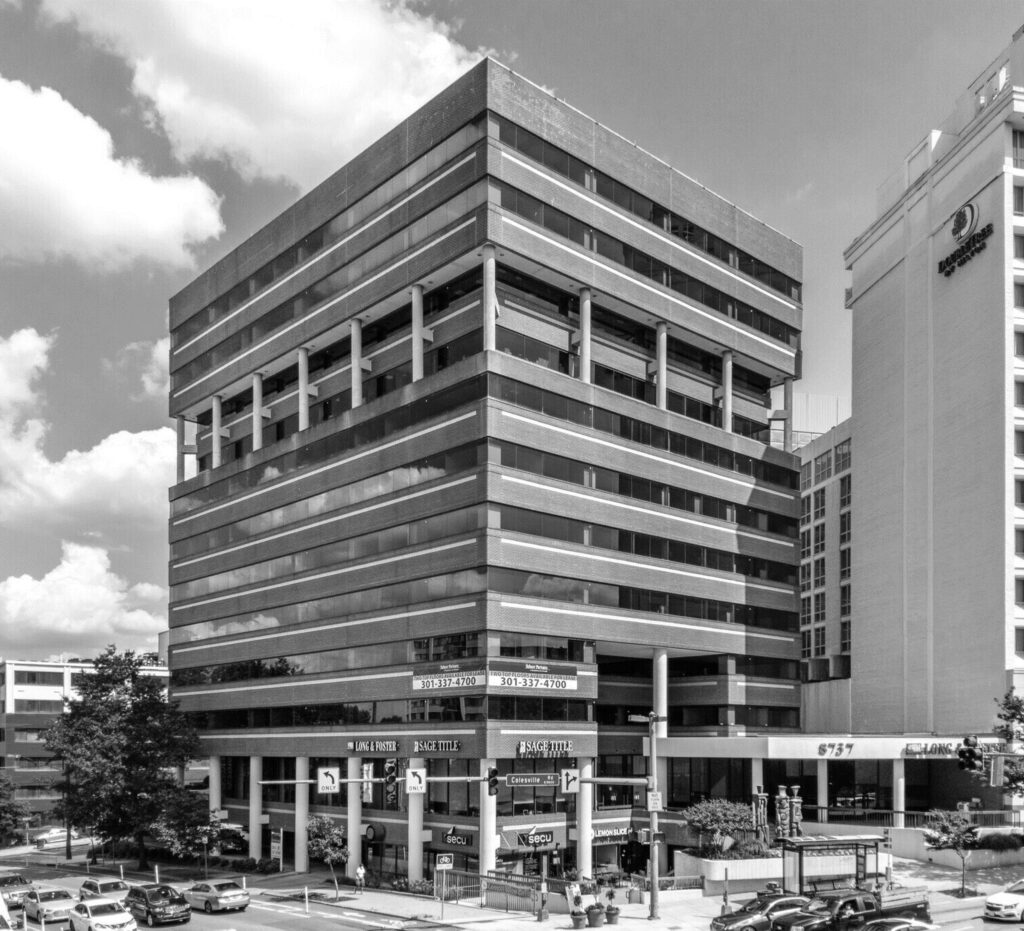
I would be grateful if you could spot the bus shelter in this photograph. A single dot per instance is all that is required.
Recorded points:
(816, 862)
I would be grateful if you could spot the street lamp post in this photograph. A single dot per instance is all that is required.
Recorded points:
(652, 720)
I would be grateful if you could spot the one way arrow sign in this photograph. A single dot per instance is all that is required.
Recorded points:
(570, 781)
(415, 782)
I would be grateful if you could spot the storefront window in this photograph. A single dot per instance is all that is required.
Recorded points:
(789, 773)
(692, 780)
(860, 784)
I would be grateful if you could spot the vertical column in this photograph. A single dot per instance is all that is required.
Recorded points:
(787, 424)
(416, 827)
(585, 335)
(417, 332)
(756, 775)
(660, 676)
(727, 390)
(301, 814)
(179, 473)
(488, 822)
(490, 300)
(585, 819)
(354, 829)
(663, 365)
(215, 457)
(357, 367)
(822, 790)
(214, 792)
(899, 793)
(303, 360)
(255, 807)
(257, 411)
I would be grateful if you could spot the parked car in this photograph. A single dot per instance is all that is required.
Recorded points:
(757, 914)
(13, 887)
(157, 904)
(103, 887)
(848, 909)
(101, 915)
(53, 836)
(217, 895)
(49, 903)
(1007, 905)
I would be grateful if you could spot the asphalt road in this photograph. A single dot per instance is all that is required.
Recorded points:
(261, 915)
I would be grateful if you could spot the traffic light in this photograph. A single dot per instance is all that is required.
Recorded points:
(492, 780)
(390, 782)
(971, 757)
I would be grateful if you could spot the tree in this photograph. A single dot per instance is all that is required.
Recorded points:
(1011, 729)
(187, 827)
(326, 842)
(952, 830)
(119, 742)
(719, 818)
(12, 812)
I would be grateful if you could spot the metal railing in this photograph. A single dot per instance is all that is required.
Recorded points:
(886, 818)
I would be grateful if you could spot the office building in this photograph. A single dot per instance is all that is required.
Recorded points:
(33, 696)
(481, 472)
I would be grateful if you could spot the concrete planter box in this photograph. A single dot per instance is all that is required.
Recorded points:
(752, 875)
(976, 859)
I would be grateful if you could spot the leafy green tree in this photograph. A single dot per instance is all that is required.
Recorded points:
(12, 812)
(186, 826)
(326, 842)
(952, 830)
(119, 742)
(720, 819)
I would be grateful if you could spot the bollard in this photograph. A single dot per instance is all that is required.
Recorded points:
(156, 873)
(122, 870)
(244, 886)
(305, 895)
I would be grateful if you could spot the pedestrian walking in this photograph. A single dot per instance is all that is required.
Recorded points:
(360, 878)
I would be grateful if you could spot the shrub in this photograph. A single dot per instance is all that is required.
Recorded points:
(268, 865)
(1001, 842)
(752, 848)
(245, 866)
(421, 886)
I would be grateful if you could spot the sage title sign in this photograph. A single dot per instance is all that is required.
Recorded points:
(972, 240)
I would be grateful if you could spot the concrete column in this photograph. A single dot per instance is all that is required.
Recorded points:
(899, 793)
(756, 776)
(662, 365)
(417, 334)
(727, 390)
(416, 827)
(823, 790)
(357, 368)
(255, 807)
(303, 359)
(215, 457)
(585, 335)
(214, 792)
(585, 819)
(301, 814)
(787, 424)
(257, 411)
(354, 830)
(488, 822)
(490, 300)
(179, 473)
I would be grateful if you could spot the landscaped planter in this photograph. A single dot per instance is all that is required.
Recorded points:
(751, 875)
(977, 859)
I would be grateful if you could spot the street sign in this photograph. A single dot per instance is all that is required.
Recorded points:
(415, 782)
(277, 845)
(531, 779)
(654, 801)
(570, 781)
(444, 861)
(328, 779)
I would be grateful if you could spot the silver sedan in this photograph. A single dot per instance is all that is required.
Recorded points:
(218, 895)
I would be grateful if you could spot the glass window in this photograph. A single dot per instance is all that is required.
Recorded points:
(1018, 295)
(805, 609)
(1018, 200)
(1018, 442)
(845, 485)
(1018, 594)
(819, 538)
(844, 527)
(819, 641)
(819, 504)
(1018, 536)
(805, 509)
(1018, 247)
(842, 456)
(844, 636)
(844, 563)
(1018, 343)
(1018, 149)
(845, 601)
(1019, 490)
(823, 467)
(806, 475)
(819, 607)
(819, 571)
(805, 576)
(805, 644)
(805, 543)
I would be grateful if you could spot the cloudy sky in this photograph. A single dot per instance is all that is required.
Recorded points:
(141, 140)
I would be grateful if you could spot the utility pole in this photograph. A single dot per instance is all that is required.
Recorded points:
(652, 720)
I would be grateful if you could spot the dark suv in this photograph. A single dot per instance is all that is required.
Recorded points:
(157, 904)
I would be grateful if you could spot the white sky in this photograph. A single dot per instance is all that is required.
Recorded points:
(145, 139)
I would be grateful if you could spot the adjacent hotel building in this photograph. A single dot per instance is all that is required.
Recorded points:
(479, 429)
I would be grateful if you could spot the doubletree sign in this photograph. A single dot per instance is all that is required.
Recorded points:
(972, 240)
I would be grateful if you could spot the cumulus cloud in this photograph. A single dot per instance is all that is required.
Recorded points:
(82, 605)
(123, 477)
(280, 94)
(63, 193)
(145, 366)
